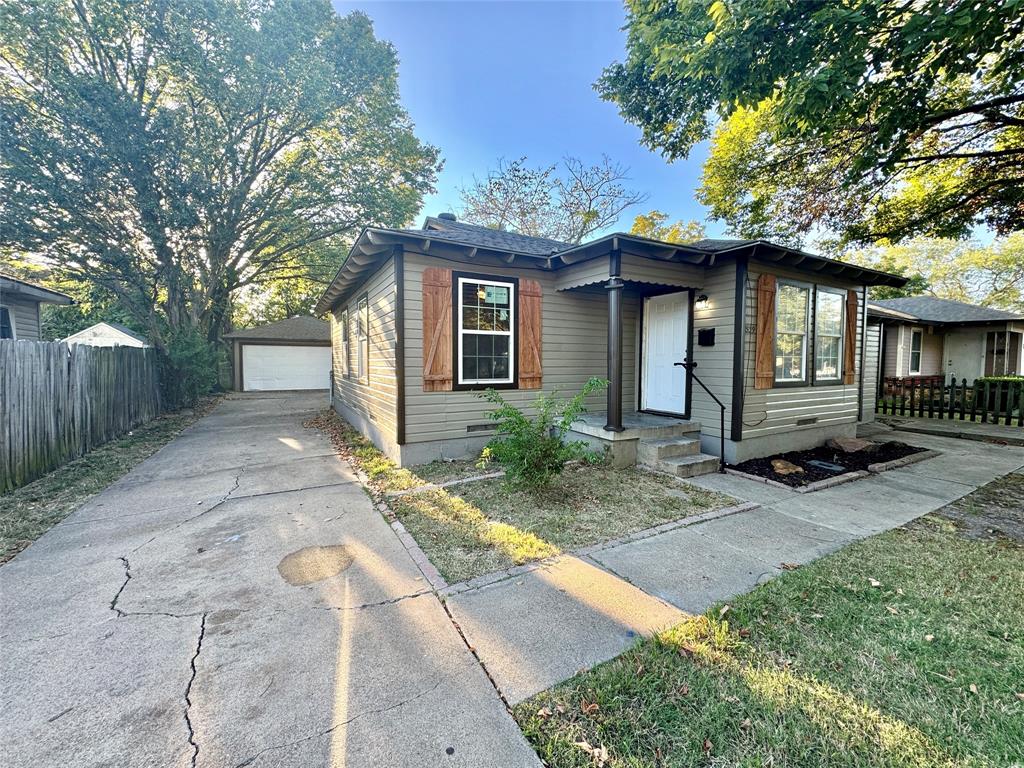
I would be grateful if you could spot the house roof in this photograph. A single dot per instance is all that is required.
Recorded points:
(932, 310)
(123, 329)
(18, 287)
(298, 328)
(461, 241)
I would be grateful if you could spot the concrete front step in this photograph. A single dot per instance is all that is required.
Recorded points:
(687, 466)
(650, 451)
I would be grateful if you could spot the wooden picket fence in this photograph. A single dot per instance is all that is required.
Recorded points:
(57, 402)
(987, 402)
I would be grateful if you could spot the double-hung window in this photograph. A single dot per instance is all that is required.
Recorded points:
(346, 360)
(6, 324)
(486, 331)
(362, 339)
(916, 341)
(828, 335)
(792, 313)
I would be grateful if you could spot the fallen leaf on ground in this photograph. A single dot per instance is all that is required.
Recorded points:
(707, 746)
(929, 638)
(723, 610)
(744, 632)
(875, 583)
(684, 689)
(588, 707)
(974, 688)
(790, 566)
(544, 712)
(1019, 696)
(892, 609)
(746, 724)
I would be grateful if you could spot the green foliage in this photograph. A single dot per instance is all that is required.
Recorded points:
(188, 369)
(534, 450)
(873, 119)
(173, 154)
(654, 225)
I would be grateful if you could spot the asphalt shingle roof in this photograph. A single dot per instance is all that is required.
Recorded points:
(485, 237)
(299, 328)
(929, 309)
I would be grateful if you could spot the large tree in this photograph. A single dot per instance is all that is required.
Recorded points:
(174, 153)
(567, 203)
(655, 225)
(870, 118)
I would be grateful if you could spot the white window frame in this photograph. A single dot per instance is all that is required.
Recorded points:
(346, 333)
(510, 333)
(10, 319)
(808, 289)
(818, 291)
(363, 339)
(920, 352)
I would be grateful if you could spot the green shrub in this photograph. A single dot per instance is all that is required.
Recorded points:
(996, 379)
(533, 451)
(188, 370)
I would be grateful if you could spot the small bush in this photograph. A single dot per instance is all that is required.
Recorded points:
(533, 451)
(188, 370)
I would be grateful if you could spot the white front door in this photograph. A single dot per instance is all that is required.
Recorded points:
(666, 342)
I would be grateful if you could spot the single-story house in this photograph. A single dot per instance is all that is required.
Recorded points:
(927, 336)
(104, 334)
(289, 354)
(19, 307)
(424, 319)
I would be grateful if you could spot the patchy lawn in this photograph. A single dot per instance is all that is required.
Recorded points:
(445, 471)
(905, 649)
(482, 526)
(26, 513)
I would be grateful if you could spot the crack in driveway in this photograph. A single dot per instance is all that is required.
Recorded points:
(127, 578)
(253, 758)
(188, 693)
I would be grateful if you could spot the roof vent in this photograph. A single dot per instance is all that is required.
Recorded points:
(447, 216)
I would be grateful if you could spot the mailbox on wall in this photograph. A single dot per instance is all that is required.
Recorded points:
(706, 337)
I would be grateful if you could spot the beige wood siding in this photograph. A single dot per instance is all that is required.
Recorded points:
(785, 409)
(25, 315)
(574, 333)
(714, 364)
(870, 386)
(640, 270)
(376, 395)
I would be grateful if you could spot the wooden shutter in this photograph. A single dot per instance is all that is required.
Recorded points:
(850, 345)
(530, 338)
(764, 356)
(437, 329)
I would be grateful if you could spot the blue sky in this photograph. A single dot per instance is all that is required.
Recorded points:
(490, 80)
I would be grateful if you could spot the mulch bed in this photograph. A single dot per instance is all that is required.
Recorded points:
(850, 462)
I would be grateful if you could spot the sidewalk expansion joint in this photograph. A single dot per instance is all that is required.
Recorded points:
(479, 661)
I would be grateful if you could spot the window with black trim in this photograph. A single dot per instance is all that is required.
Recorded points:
(828, 334)
(916, 344)
(6, 324)
(792, 318)
(485, 322)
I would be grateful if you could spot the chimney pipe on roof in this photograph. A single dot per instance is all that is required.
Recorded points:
(447, 216)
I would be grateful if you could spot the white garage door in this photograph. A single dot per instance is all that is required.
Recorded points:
(271, 366)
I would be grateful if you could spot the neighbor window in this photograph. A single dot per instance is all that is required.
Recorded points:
(486, 326)
(6, 325)
(346, 364)
(362, 338)
(916, 340)
(791, 320)
(828, 335)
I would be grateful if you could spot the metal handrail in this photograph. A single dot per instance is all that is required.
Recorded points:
(689, 365)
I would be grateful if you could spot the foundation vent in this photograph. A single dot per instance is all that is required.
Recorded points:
(480, 428)
(807, 422)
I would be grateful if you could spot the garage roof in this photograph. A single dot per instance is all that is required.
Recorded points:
(298, 328)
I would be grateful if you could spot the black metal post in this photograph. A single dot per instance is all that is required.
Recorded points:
(689, 365)
(614, 288)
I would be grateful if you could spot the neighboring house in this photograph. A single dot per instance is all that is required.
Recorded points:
(289, 354)
(19, 307)
(926, 336)
(104, 334)
(424, 319)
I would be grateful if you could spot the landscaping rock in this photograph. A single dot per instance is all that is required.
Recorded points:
(783, 467)
(850, 444)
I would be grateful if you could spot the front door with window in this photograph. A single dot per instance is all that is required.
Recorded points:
(666, 342)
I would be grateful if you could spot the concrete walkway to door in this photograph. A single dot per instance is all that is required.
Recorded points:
(236, 601)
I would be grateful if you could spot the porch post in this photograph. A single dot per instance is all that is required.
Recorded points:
(614, 288)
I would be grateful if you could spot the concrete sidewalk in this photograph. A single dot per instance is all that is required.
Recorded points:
(1007, 434)
(236, 601)
(538, 628)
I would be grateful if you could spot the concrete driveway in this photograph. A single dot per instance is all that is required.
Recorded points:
(236, 601)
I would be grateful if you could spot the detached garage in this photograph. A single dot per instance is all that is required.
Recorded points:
(289, 354)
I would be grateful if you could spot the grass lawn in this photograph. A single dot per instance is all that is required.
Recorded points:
(905, 649)
(482, 526)
(26, 513)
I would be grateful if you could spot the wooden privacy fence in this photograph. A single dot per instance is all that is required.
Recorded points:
(987, 401)
(58, 402)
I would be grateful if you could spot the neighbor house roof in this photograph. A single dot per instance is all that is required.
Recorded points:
(932, 310)
(115, 326)
(375, 244)
(13, 285)
(298, 328)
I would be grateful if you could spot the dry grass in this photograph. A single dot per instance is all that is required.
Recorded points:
(482, 526)
(26, 513)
